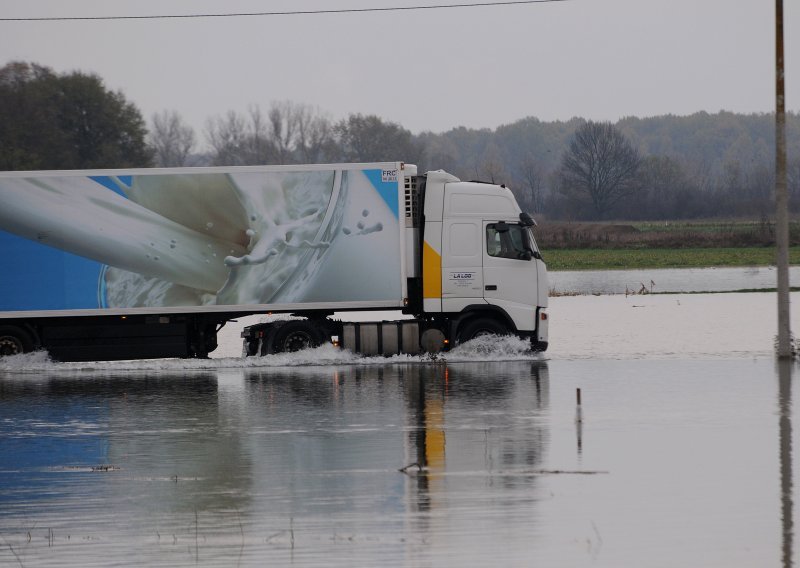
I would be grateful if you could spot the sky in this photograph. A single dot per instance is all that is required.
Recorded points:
(428, 70)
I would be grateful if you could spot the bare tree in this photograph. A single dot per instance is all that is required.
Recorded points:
(314, 140)
(300, 133)
(227, 137)
(439, 153)
(289, 133)
(170, 139)
(283, 127)
(601, 164)
(532, 177)
(666, 192)
(238, 140)
(491, 165)
(259, 145)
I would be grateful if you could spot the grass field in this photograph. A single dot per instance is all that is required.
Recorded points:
(672, 235)
(710, 226)
(621, 259)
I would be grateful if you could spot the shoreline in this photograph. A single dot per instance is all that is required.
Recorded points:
(558, 260)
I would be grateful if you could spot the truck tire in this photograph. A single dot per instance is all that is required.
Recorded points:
(479, 326)
(296, 335)
(203, 341)
(14, 340)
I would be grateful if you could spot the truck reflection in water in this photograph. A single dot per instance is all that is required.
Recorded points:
(445, 426)
(454, 428)
(244, 463)
(156, 431)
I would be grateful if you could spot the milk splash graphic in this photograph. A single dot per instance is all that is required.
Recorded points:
(271, 223)
(202, 239)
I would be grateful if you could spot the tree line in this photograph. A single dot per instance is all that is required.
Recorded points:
(668, 167)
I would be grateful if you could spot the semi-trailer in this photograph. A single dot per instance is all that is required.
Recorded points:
(145, 263)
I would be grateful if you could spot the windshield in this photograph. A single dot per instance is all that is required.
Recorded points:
(531, 240)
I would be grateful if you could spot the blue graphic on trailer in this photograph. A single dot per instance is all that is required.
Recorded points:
(39, 277)
(112, 183)
(387, 190)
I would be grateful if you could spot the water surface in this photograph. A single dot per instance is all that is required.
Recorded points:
(684, 455)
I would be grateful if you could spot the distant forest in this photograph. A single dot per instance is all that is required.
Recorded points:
(659, 168)
(698, 166)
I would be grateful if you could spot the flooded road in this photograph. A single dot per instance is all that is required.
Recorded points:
(684, 455)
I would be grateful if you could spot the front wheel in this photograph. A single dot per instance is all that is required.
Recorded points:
(14, 340)
(480, 326)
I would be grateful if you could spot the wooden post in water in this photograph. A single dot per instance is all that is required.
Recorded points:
(785, 444)
(579, 421)
(781, 193)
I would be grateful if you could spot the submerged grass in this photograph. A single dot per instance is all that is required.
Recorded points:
(625, 259)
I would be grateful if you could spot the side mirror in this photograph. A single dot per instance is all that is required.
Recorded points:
(526, 220)
(501, 227)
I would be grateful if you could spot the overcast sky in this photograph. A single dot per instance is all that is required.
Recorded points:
(425, 69)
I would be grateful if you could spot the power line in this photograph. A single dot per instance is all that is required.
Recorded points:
(288, 13)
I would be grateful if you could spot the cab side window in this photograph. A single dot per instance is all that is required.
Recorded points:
(506, 241)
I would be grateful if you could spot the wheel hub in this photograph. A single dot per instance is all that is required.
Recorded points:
(10, 345)
(297, 341)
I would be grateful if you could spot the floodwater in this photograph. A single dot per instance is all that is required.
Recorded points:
(684, 454)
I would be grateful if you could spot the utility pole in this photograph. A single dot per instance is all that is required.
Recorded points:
(781, 193)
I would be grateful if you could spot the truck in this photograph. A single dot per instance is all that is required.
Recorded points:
(151, 263)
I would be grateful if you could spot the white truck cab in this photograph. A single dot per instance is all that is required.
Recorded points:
(480, 262)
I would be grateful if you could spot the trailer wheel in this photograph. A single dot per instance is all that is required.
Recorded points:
(296, 335)
(14, 340)
(480, 326)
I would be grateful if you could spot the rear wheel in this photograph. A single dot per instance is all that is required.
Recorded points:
(14, 340)
(479, 326)
(296, 335)
(203, 341)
